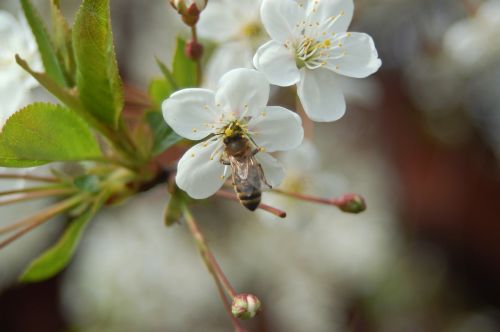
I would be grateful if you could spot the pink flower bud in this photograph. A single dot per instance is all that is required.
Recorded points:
(193, 50)
(245, 306)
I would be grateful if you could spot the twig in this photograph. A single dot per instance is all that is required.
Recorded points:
(37, 194)
(28, 177)
(39, 218)
(30, 189)
(213, 267)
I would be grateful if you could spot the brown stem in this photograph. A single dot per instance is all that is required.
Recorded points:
(28, 177)
(227, 195)
(211, 263)
(38, 219)
(344, 202)
(199, 71)
(29, 189)
(37, 194)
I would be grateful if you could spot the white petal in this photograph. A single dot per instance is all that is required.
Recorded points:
(337, 14)
(321, 97)
(278, 64)
(226, 57)
(273, 171)
(190, 112)
(280, 17)
(360, 59)
(277, 129)
(218, 22)
(197, 173)
(242, 88)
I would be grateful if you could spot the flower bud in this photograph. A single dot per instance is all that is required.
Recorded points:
(245, 306)
(189, 9)
(351, 203)
(193, 50)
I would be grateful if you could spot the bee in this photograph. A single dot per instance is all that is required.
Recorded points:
(248, 176)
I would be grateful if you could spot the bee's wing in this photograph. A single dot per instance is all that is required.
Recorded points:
(248, 173)
(262, 177)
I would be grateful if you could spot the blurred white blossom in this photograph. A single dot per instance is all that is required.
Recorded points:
(15, 83)
(236, 27)
(473, 42)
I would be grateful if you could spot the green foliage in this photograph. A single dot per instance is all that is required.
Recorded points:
(58, 256)
(88, 183)
(183, 68)
(62, 42)
(164, 136)
(175, 207)
(47, 51)
(159, 90)
(98, 80)
(41, 133)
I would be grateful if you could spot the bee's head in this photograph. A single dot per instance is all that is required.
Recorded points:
(232, 130)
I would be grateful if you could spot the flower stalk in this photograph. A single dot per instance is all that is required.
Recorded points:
(222, 283)
(38, 219)
(350, 203)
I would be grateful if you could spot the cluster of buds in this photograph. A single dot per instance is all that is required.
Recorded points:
(189, 9)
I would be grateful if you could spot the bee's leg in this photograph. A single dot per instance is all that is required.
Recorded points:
(263, 177)
(224, 161)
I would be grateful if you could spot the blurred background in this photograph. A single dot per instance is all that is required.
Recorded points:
(420, 141)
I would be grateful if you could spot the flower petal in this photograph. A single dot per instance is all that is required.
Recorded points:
(273, 171)
(218, 22)
(360, 59)
(277, 129)
(190, 112)
(336, 14)
(226, 57)
(278, 64)
(199, 171)
(242, 88)
(280, 17)
(321, 97)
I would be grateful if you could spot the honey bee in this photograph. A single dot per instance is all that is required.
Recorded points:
(248, 176)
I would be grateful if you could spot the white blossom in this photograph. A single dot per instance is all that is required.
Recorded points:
(236, 27)
(15, 83)
(473, 42)
(310, 47)
(238, 104)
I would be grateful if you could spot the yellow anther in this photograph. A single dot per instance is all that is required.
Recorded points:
(195, 130)
(192, 155)
(348, 34)
(263, 113)
(327, 42)
(228, 132)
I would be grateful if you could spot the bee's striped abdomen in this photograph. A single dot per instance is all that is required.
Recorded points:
(248, 196)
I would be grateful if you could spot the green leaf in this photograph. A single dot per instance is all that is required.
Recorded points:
(43, 132)
(164, 136)
(63, 43)
(58, 256)
(98, 80)
(47, 51)
(183, 68)
(159, 90)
